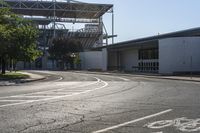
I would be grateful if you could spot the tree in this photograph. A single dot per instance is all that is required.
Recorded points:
(5, 36)
(62, 50)
(77, 62)
(18, 38)
(25, 38)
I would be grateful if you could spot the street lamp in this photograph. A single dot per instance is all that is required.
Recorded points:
(73, 55)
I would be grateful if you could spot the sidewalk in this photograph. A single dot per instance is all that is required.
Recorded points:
(32, 77)
(193, 78)
(183, 78)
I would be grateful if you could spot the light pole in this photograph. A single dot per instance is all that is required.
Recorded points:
(54, 18)
(73, 55)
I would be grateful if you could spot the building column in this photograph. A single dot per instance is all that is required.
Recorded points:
(104, 59)
(44, 62)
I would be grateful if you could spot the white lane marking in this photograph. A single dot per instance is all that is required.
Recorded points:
(133, 121)
(61, 78)
(125, 79)
(159, 124)
(15, 100)
(58, 97)
(183, 124)
(28, 96)
(122, 78)
(63, 88)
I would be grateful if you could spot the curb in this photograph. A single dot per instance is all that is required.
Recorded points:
(31, 80)
(191, 80)
(21, 81)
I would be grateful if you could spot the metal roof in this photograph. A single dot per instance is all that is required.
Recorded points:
(40, 21)
(184, 33)
(62, 9)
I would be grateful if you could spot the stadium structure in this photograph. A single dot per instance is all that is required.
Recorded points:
(53, 16)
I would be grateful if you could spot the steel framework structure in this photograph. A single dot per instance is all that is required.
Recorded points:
(52, 16)
(49, 13)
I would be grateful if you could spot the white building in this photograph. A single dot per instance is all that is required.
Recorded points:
(177, 52)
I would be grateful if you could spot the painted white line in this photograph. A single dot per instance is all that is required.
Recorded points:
(125, 79)
(122, 78)
(113, 76)
(133, 121)
(63, 88)
(183, 124)
(61, 78)
(27, 96)
(58, 97)
(13, 100)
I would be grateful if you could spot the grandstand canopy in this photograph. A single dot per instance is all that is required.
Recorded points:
(59, 9)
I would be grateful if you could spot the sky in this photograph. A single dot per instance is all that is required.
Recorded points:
(142, 18)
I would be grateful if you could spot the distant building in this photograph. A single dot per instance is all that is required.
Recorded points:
(53, 18)
(177, 52)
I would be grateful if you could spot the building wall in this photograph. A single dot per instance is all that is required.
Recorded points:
(129, 59)
(91, 60)
(112, 59)
(179, 55)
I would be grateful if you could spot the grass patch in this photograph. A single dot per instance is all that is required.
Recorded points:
(12, 76)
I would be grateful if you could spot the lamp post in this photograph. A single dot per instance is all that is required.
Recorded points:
(73, 55)
(54, 18)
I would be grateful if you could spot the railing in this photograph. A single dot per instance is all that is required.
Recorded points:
(145, 68)
(119, 68)
(135, 69)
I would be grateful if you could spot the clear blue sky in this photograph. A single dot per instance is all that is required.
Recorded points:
(142, 18)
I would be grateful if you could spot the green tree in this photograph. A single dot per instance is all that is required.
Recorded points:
(62, 49)
(5, 36)
(77, 62)
(18, 38)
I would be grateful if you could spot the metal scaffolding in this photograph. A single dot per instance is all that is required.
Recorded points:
(49, 13)
(53, 16)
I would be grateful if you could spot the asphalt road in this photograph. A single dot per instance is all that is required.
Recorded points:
(77, 102)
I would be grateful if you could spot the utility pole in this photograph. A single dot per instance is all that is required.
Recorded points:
(54, 18)
(112, 26)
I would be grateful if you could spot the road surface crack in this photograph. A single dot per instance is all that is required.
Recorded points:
(38, 124)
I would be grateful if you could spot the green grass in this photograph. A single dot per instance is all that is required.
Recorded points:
(13, 75)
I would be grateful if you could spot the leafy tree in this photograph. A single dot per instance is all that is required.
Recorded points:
(77, 62)
(62, 50)
(25, 37)
(17, 37)
(5, 36)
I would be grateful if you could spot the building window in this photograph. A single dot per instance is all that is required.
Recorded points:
(147, 54)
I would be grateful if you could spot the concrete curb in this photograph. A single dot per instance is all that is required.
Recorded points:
(20, 81)
(191, 80)
(31, 80)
